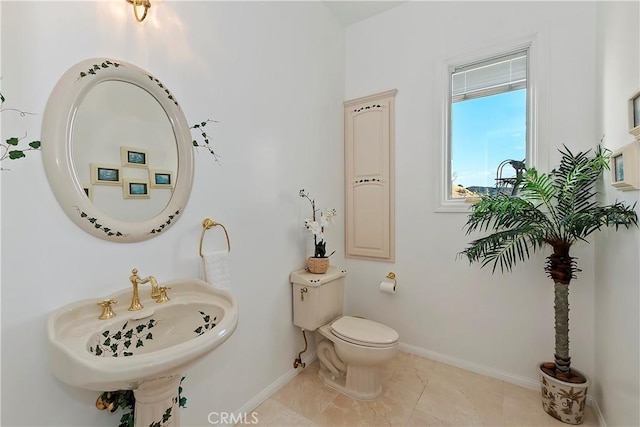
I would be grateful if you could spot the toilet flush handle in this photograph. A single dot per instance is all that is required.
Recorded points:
(302, 292)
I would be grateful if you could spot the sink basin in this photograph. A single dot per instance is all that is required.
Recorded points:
(162, 340)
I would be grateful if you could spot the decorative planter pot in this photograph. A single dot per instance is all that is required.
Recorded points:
(318, 265)
(563, 400)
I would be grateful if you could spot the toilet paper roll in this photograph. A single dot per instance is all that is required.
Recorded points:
(388, 287)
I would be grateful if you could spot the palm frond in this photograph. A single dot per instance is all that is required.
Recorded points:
(620, 214)
(537, 186)
(502, 212)
(540, 187)
(575, 178)
(519, 228)
(505, 248)
(579, 225)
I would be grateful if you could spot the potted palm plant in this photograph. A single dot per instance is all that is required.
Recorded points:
(557, 209)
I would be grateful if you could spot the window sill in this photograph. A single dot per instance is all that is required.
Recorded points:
(456, 206)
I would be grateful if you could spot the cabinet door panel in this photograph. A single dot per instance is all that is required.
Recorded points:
(369, 177)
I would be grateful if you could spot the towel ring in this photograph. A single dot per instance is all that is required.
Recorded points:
(206, 225)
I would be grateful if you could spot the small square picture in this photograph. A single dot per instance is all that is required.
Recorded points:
(618, 168)
(105, 174)
(634, 115)
(135, 189)
(161, 179)
(134, 157)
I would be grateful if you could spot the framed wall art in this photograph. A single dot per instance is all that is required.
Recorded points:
(634, 115)
(102, 174)
(134, 157)
(135, 189)
(161, 178)
(624, 167)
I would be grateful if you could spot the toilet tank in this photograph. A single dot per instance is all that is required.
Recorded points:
(317, 298)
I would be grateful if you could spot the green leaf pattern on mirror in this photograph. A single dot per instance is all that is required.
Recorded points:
(95, 68)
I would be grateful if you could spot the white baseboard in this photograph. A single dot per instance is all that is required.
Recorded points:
(596, 409)
(271, 389)
(479, 369)
(493, 373)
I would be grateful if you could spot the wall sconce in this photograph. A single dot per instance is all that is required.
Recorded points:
(146, 4)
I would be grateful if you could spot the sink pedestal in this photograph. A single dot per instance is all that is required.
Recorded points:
(157, 403)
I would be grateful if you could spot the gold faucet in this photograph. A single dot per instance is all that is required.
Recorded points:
(135, 281)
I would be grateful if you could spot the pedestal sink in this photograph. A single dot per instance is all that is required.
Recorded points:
(147, 351)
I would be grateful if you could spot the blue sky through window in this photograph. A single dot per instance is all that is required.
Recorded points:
(484, 132)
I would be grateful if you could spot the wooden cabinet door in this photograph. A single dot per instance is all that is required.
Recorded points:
(369, 177)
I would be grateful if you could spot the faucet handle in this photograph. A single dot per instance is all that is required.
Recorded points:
(107, 311)
(134, 276)
(162, 297)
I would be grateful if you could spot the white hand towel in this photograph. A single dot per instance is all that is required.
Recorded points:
(216, 269)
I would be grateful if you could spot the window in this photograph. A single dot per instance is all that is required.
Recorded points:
(488, 137)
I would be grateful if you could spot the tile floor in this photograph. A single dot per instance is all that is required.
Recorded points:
(417, 392)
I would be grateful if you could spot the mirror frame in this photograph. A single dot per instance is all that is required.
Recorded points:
(57, 128)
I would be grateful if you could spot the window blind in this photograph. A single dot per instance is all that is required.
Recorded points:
(489, 77)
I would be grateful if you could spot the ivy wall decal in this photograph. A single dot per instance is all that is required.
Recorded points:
(9, 149)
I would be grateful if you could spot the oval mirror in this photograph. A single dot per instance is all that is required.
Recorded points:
(117, 150)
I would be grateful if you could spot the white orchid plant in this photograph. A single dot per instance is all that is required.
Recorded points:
(316, 226)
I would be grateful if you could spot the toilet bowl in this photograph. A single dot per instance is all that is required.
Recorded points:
(350, 349)
(362, 346)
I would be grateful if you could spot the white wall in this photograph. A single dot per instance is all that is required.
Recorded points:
(497, 324)
(617, 290)
(273, 75)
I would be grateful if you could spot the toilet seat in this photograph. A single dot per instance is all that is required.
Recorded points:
(364, 332)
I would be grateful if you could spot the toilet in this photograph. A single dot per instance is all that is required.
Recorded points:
(350, 349)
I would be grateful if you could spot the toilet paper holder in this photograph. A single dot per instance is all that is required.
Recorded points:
(392, 276)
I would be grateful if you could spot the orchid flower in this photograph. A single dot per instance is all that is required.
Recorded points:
(330, 215)
(316, 226)
(313, 226)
